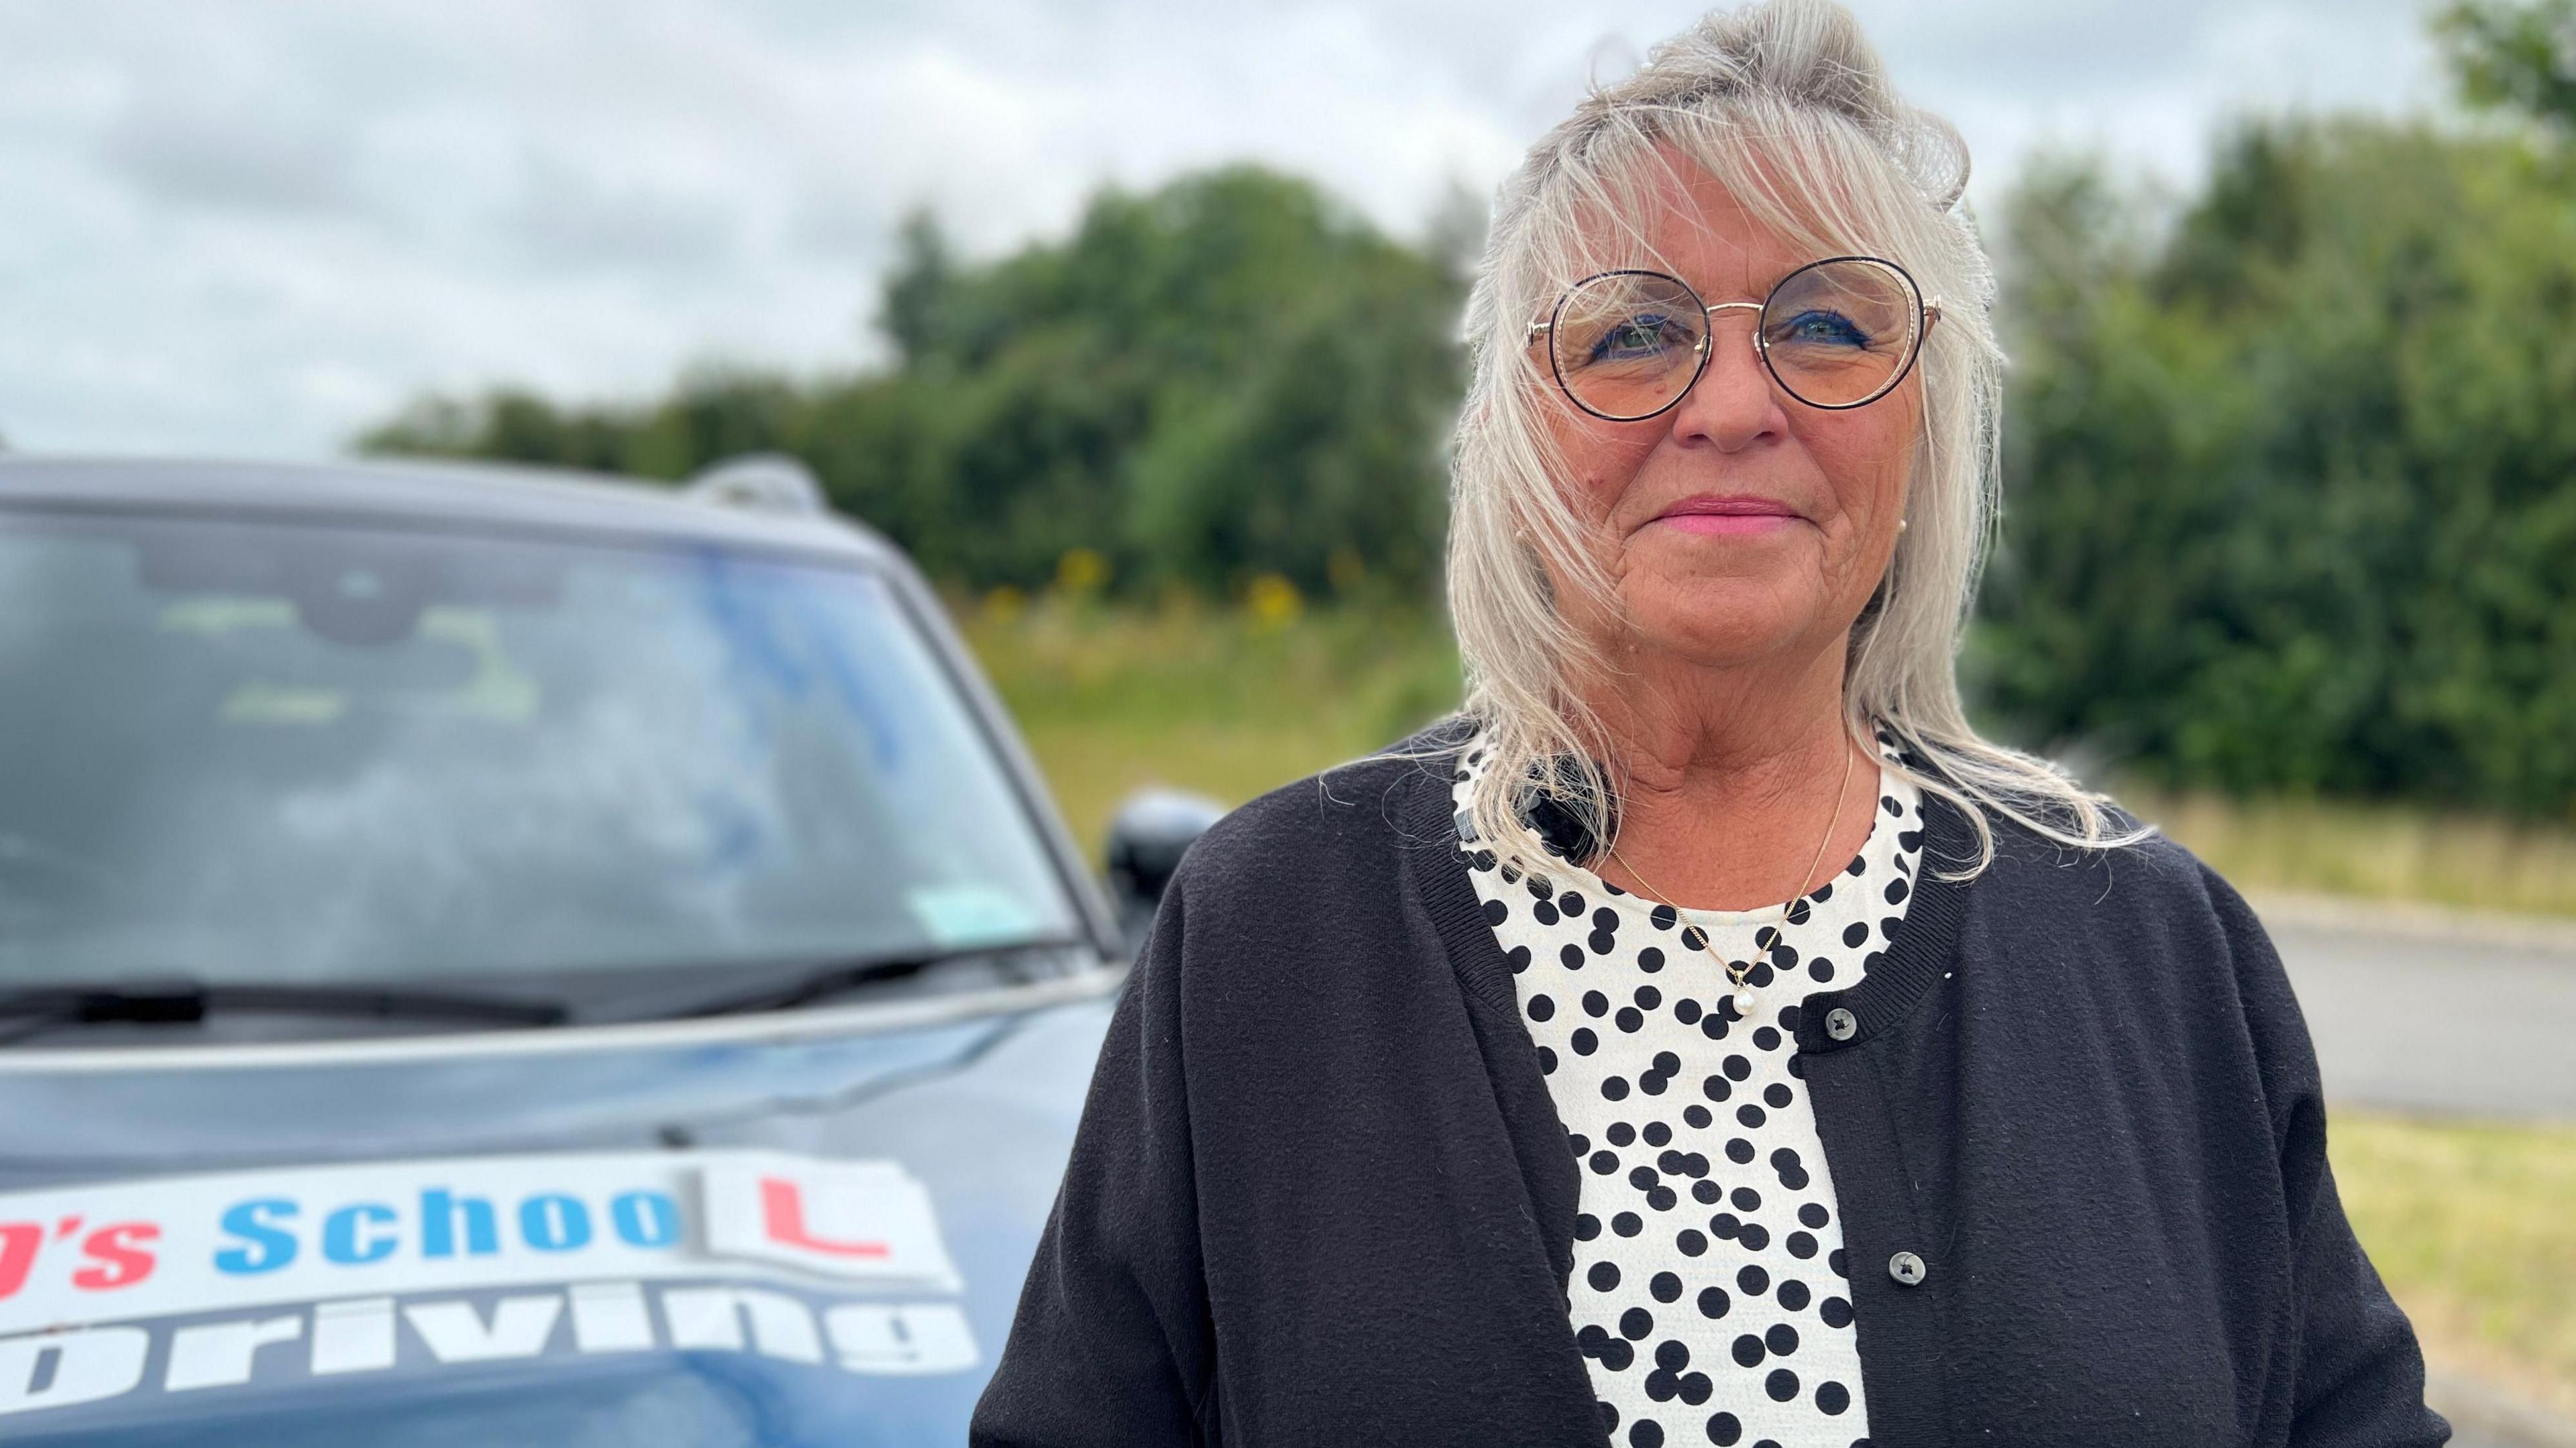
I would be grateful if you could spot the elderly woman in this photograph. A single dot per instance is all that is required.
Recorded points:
(1706, 1037)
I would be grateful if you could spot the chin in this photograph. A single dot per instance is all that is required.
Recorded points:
(1719, 622)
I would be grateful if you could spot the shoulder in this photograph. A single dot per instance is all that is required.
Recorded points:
(1336, 828)
(2151, 922)
(1362, 805)
(2151, 900)
(2028, 867)
(1304, 899)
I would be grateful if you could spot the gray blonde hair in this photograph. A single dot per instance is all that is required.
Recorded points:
(1786, 91)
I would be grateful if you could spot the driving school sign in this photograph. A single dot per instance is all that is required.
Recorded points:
(437, 1247)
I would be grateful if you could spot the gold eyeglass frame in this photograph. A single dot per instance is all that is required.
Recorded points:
(1927, 314)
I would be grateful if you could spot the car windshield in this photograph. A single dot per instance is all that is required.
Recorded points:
(288, 752)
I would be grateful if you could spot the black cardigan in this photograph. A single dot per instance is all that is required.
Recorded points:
(1320, 1193)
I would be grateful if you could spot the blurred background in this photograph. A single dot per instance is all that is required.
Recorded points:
(1134, 322)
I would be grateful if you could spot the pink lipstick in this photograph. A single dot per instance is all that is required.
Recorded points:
(1730, 513)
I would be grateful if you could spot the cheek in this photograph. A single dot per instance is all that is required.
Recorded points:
(1599, 466)
(1865, 461)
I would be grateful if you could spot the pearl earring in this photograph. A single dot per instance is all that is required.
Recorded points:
(1900, 525)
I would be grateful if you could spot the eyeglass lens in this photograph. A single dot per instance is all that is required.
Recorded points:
(1836, 334)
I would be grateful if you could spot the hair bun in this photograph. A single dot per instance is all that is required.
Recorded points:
(1932, 154)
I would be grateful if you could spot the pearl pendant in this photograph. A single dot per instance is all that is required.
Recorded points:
(1744, 1002)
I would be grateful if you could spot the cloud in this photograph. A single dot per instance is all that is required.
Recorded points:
(243, 151)
(255, 226)
(574, 219)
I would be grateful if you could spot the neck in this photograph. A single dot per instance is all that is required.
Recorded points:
(1728, 779)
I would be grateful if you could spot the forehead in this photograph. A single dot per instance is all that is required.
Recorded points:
(1727, 236)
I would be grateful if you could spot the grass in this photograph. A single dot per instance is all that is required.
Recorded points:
(1228, 704)
(2371, 851)
(1232, 702)
(2473, 1228)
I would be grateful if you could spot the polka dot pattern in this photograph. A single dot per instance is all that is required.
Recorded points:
(1709, 1297)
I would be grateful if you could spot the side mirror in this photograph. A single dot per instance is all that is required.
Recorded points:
(1147, 837)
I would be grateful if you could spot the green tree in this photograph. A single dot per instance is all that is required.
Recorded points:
(1229, 376)
(2292, 480)
(2515, 54)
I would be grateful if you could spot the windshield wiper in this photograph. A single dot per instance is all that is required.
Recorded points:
(48, 1008)
(833, 979)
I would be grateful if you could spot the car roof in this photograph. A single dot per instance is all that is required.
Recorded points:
(407, 492)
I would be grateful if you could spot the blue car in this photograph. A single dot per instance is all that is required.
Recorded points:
(490, 956)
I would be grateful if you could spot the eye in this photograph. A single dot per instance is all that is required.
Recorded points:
(1644, 334)
(1821, 327)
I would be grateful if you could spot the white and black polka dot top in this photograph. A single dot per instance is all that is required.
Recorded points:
(1709, 1281)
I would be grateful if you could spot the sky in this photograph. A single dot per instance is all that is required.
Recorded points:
(254, 227)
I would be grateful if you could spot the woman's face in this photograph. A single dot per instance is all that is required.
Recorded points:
(1710, 589)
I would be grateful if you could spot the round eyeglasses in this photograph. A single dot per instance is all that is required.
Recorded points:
(1836, 333)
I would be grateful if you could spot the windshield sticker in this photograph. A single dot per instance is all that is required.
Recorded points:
(962, 916)
(346, 1269)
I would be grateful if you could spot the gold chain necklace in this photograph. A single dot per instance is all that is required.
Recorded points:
(1737, 971)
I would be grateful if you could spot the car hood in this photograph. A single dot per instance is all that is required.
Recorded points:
(815, 1239)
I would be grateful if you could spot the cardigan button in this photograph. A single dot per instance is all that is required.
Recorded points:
(1906, 1268)
(1841, 1024)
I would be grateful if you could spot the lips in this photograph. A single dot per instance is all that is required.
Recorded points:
(1728, 505)
(1728, 515)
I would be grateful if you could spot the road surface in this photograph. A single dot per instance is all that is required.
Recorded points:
(2428, 1011)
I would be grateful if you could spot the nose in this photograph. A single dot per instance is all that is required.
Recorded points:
(1734, 403)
